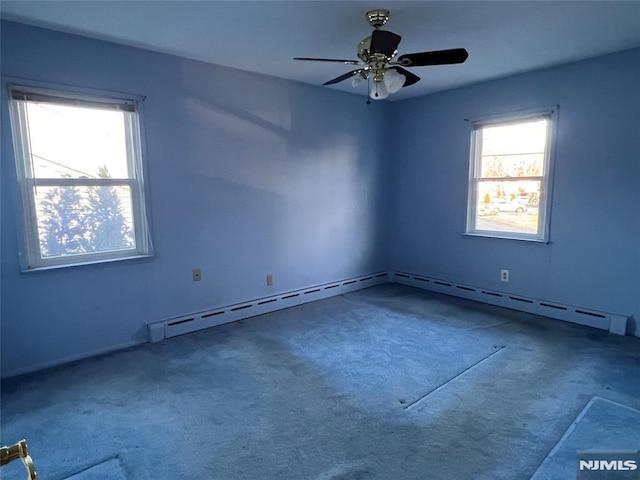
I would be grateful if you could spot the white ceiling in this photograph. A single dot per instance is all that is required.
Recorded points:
(502, 37)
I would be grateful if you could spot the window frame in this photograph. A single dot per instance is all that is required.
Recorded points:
(31, 258)
(546, 180)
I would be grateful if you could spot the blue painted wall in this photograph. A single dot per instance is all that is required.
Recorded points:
(593, 259)
(247, 175)
(250, 175)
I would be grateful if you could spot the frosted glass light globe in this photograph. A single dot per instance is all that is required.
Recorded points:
(378, 91)
(393, 80)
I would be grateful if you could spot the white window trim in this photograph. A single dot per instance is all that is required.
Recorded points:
(546, 186)
(30, 255)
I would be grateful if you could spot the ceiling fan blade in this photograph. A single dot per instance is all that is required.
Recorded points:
(384, 42)
(343, 77)
(346, 62)
(411, 77)
(438, 57)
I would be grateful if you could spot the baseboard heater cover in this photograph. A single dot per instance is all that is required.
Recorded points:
(158, 331)
(614, 323)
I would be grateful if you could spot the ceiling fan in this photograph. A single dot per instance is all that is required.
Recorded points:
(377, 53)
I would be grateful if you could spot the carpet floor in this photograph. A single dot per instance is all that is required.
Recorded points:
(389, 382)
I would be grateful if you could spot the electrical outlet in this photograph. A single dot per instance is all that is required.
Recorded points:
(197, 275)
(504, 275)
(269, 279)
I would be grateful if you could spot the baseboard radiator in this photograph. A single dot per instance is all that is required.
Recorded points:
(176, 326)
(614, 323)
(173, 327)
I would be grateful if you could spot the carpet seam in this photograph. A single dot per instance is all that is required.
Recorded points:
(406, 407)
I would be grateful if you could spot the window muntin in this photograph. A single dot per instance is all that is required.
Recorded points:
(509, 177)
(79, 168)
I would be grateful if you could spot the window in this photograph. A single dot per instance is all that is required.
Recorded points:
(509, 189)
(79, 168)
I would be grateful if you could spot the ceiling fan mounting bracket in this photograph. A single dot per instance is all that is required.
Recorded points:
(378, 17)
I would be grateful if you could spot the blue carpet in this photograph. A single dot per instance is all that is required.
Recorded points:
(602, 425)
(107, 470)
(385, 383)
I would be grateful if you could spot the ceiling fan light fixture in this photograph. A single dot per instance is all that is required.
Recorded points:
(393, 80)
(356, 81)
(378, 90)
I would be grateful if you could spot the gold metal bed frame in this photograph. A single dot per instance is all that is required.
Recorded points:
(19, 450)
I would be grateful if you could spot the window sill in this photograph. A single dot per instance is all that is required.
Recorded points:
(507, 237)
(49, 268)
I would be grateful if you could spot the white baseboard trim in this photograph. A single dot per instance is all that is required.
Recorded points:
(614, 323)
(172, 327)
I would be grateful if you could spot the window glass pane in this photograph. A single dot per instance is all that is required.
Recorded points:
(508, 206)
(76, 142)
(81, 220)
(525, 137)
(513, 150)
(522, 165)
